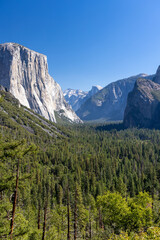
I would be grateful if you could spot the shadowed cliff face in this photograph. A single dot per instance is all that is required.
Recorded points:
(143, 105)
(25, 74)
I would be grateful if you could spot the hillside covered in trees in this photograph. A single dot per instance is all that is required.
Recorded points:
(76, 181)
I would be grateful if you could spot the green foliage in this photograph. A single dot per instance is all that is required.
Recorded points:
(82, 213)
(116, 173)
(140, 216)
(152, 233)
(114, 210)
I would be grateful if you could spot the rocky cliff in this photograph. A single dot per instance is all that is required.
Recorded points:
(25, 74)
(110, 102)
(143, 105)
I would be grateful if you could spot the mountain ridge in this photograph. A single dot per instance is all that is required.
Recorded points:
(110, 102)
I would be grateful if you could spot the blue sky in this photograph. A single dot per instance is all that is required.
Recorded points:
(87, 42)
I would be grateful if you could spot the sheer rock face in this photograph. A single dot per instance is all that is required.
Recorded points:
(25, 74)
(143, 105)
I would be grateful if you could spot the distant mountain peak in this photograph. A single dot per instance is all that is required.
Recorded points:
(76, 97)
(97, 86)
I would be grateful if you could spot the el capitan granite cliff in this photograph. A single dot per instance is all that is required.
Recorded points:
(25, 74)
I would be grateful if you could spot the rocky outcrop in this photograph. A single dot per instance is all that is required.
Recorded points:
(143, 105)
(25, 74)
(110, 102)
(76, 98)
(156, 79)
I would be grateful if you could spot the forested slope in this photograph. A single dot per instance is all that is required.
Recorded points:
(76, 182)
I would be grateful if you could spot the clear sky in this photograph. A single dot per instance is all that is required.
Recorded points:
(87, 42)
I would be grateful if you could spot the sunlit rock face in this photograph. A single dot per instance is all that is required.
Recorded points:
(25, 74)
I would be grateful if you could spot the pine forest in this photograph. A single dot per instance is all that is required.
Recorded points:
(86, 181)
